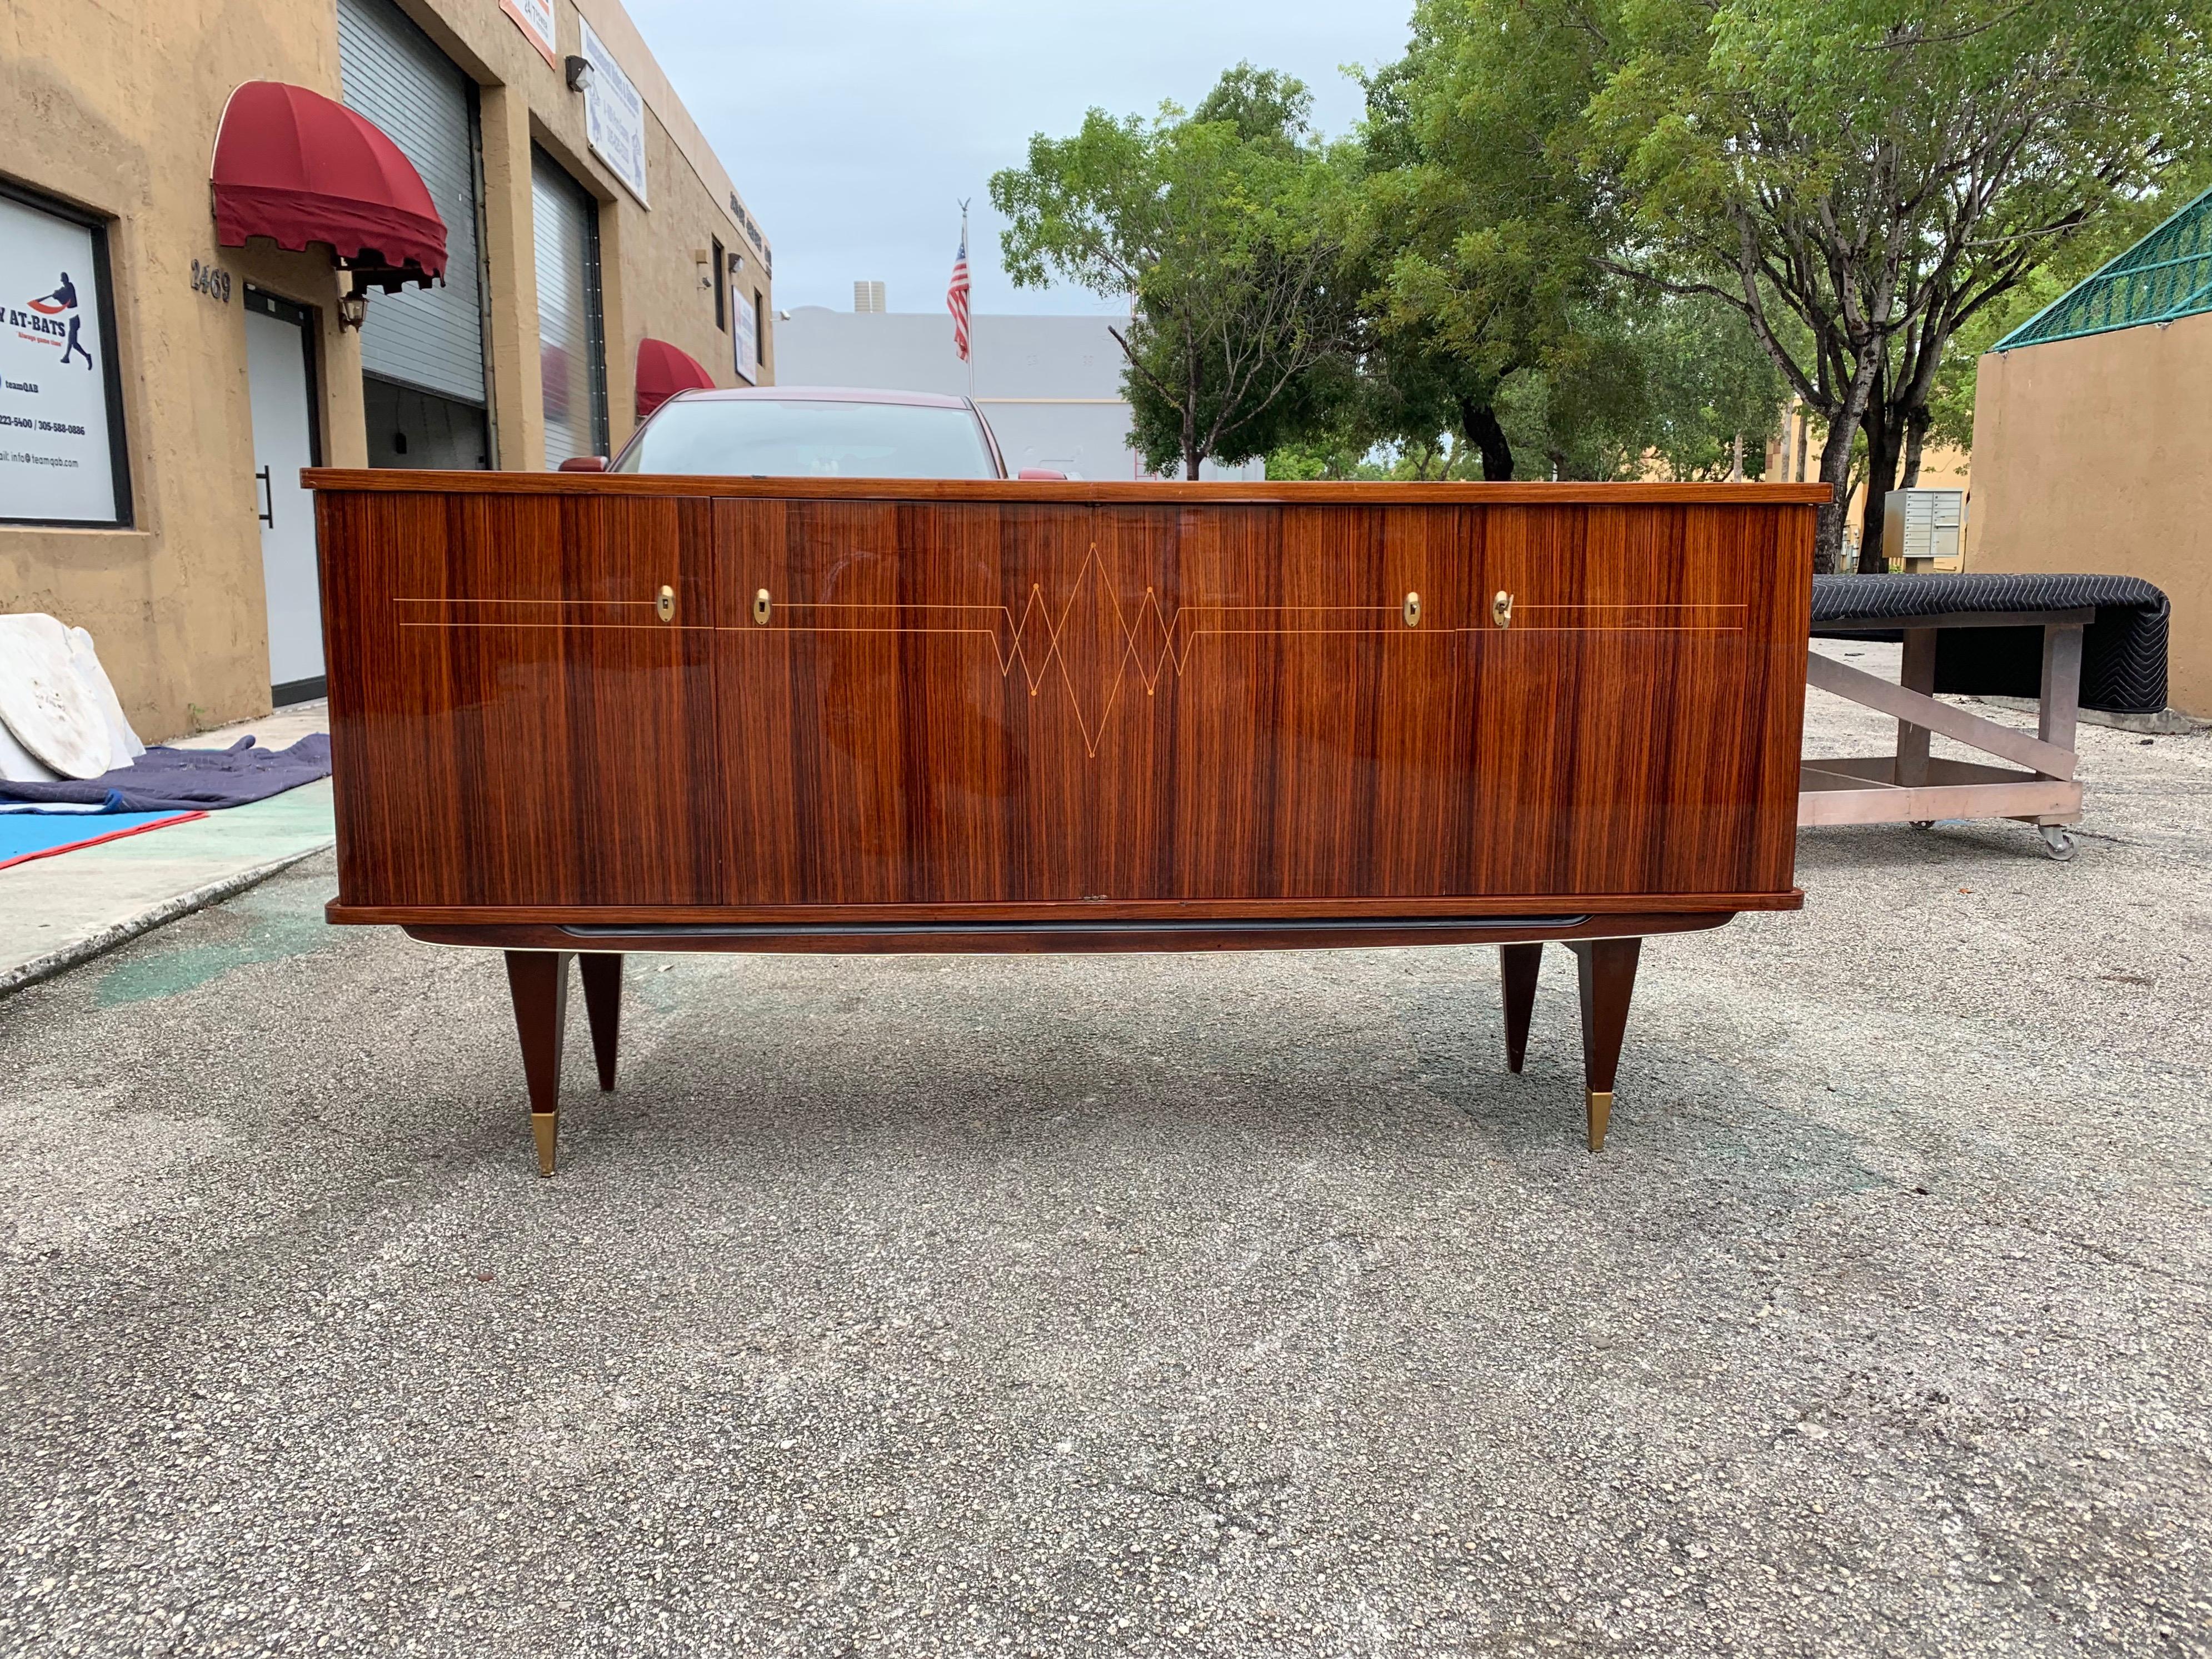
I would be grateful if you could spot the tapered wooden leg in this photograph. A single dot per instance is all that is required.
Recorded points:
(539, 981)
(1607, 969)
(1518, 965)
(602, 974)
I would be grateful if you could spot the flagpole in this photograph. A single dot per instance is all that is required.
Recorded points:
(971, 308)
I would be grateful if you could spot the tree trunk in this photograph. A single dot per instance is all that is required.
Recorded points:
(1804, 437)
(1479, 421)
(1191, 457)
(1836, 473)
(1882, 443)
(1836, 457)
(1916, 434)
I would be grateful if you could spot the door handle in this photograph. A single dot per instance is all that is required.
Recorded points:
(269, 499)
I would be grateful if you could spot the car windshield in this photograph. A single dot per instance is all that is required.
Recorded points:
(809, 438)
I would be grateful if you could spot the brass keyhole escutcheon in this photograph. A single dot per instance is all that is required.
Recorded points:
(1413, 610)
(665, 606)
(1501, 609)
(761, 607)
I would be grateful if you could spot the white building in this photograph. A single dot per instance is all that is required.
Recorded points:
(1051, 387)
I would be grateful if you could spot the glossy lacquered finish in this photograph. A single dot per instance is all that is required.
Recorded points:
(1006, 708)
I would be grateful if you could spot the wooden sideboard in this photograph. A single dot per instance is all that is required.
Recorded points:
(597, 714)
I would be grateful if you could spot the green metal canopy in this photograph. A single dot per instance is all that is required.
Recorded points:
(2166, 275)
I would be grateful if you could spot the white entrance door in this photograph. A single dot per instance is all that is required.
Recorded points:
(276, 378)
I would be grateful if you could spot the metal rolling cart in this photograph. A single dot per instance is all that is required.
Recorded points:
(2009, 635)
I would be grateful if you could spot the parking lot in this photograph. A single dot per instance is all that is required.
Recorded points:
(1226, 1305)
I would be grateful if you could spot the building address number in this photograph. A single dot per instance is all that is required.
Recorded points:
(212, 281)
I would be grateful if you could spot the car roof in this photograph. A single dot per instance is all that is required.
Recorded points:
(822, 394)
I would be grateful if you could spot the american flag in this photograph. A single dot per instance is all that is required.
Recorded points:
(956, 296)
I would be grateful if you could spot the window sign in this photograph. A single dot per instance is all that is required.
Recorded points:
(747, 334)
(535, 19)
(61, 437)
(614, 116)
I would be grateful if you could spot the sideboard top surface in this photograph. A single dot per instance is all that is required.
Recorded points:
(1059, 493)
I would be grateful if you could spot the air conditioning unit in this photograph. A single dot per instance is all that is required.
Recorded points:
(867, 296)
(1922, 526)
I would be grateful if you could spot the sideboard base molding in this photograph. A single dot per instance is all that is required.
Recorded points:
(1617, 907)
(1060, 937)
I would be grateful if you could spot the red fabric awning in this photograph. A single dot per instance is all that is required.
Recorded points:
(291, 165)
(663, 371)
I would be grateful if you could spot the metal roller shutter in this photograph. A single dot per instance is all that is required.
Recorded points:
(430, 338)
(571, 350)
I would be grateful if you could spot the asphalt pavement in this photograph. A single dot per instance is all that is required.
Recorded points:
(1211, 1305)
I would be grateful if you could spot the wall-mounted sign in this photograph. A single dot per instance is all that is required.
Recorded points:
(614, 116)
(738, 212)
(61, 428)
(535, 19)
(746, 334)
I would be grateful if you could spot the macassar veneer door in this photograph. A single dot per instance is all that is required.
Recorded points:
(1639, 718)
(515, 722)
(926, 704)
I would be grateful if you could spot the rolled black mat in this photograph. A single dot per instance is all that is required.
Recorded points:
(2122, 651)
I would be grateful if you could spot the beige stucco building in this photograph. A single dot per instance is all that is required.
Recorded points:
(2091, 428)
(226, 367)
(2089, 454)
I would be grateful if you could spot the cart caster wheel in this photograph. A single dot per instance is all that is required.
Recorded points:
(1923, 823)
(2057, 842)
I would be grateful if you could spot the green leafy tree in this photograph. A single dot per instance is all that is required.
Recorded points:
(1223, 230)
(1863, 178)
(1487, 311)
(1640, 386)
(1652, 386)
(1309, 459)
(1377, 401)
(1475, 240)
(1713, 396)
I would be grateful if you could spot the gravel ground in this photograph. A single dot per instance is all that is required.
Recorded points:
(1234, 1305)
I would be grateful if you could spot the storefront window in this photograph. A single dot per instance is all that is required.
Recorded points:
(63, 459)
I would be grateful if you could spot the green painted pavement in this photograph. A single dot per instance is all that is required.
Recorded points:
(60, 910)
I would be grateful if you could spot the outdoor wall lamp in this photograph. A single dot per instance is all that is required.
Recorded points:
(353, 306)
(580, 75)
(706, 266)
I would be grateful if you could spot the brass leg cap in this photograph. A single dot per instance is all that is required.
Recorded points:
(546, 1126)
(1598, 1104)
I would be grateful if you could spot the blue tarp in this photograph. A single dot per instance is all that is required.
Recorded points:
(25, 835)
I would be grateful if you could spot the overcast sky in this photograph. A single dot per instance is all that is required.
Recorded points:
(853, 128)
